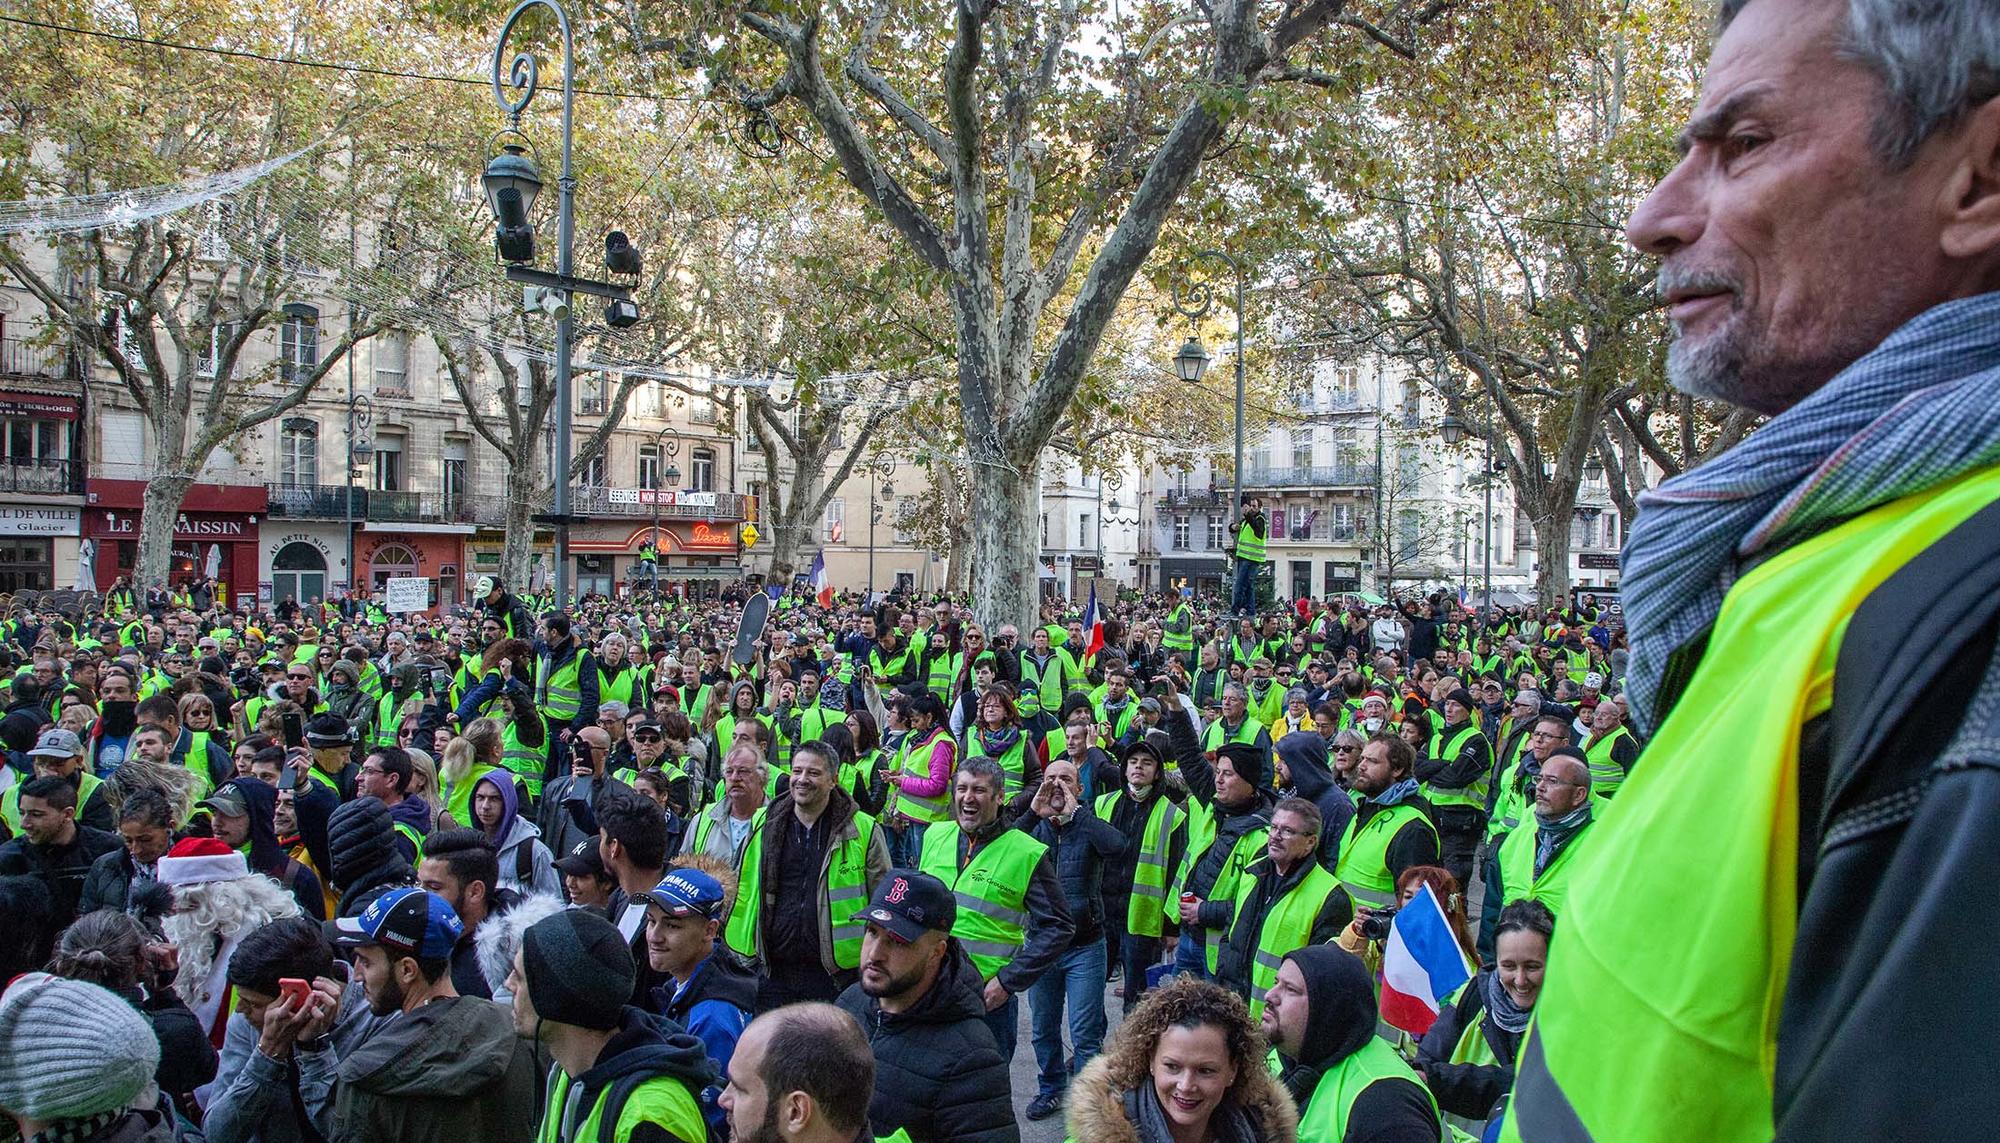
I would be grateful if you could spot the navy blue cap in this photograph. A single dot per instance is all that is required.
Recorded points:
(409, 921)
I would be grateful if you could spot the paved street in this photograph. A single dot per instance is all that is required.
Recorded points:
(1049, 1130)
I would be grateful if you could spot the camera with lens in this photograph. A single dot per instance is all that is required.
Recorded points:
(1375, 923)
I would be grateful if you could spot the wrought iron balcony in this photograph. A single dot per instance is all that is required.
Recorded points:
(23, 359)
(46, 477)
(1196, 498)
(638, 504)
(316, 501)
(1317, 476)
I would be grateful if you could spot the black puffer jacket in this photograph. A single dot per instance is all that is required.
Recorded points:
(361, 838)
(937, 1070)
(1468, 1090)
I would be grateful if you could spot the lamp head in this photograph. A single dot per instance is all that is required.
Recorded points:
(1452, 430)
(1192, 361)
(511, 183)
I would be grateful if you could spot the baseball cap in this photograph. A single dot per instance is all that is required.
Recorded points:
(685, 893)
(227, 800)
(909, 904)
(409, 921)
(56, 742)
(584, 860)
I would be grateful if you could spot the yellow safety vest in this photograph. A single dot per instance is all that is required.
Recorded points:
(1606, 775)
(1551, 885)
(1147, 907)
(1249, 545)
(1286, 928)
(1636, 1041)
(846, 874)
(991, 890)
(1473, 796)
(662, 1101)
(914, 761)
(1363, 868)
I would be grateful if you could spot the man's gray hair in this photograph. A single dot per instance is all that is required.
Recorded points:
(1937, 60)
(985, 769)
(1237, 688)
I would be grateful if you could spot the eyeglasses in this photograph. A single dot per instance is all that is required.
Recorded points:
(1282, 832)
(1344, 749)
(645, 736)
(1546, 780)
(300, 678)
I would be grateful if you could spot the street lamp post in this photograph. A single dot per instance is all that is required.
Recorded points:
(884, 469)
(511, 183)
(360, 447)
(668, 475)
(1192, 360)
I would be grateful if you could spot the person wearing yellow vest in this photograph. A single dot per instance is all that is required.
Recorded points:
(1237, 725)
(920, 775)
(1012, 918)
(617, 679)
(1810, 617)
(565, 679)
(1610, 748)
(1467, 1057)
(616, 1074)
(1226, 833)
(1539, 857)
(1248, 551)
(1155, 833)
(807, 869)
(1453, 777)
(1177, 635)
(1284, 900)
(1514, 800)
(721, 831)
(810, 1069)
(1041, 670)
(1392, 828)
(1349, 1084)
(58, 753)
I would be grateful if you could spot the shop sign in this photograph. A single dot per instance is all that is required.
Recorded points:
(712, 536)
(186, 527)
(664, 497)
(26, 520)
(279, 544)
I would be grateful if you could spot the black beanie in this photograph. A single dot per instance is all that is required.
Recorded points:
(1252, 763)
(1464, 698)
(359, 838)
(579, 970)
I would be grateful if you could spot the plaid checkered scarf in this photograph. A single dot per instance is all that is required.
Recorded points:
(1918, 410)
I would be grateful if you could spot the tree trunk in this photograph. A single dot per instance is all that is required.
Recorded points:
(786, 529)
(1006, 545)
(524, 494)
(1552, 533)
(162, 508)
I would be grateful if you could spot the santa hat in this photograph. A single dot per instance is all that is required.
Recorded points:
(201, 860)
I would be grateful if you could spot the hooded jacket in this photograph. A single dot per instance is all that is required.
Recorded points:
(643, 1047)
(268, 857)
(1097, 1106)
(450, 1071)
(1230, 826)
(362, 845)
(938, 1072)
(1340, 1019)
(515, 832)
(415, 813)
(714, 1007)
(1304, 755)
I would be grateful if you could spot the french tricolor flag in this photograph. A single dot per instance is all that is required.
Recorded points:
(1093, 626)
(1422, 965)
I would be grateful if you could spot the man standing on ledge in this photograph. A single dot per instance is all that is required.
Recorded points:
(1811, 616)
(1248, 551)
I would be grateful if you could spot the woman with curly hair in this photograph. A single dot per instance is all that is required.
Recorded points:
(1187, 1066)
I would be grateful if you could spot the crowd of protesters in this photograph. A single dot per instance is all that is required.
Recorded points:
(516, 871)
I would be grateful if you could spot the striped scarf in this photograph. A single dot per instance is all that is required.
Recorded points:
(1920, 409)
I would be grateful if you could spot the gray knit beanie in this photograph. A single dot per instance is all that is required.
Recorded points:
(579, 969)
(71, 1050)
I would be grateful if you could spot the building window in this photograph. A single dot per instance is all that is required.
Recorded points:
(298, 343)
(1302, 448)
(1343, 521)
(298, 452)
(1183, 480)
(1409, 469)
(218, 336)
(836, 513)
(391, 561)
(593, 472)
(389, 472)
(454, 478)
(1583, 532)
(596, 395)
(1409, 526)
(391, 351)
(1217, 532)
(1181, 532)
(1083, 529)
(649, 466)
(703, 411)
(701, 470)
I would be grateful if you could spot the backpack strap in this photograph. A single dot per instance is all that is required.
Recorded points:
(524, 863)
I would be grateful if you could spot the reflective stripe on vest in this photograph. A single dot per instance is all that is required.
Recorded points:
(992, 891)
(1606, 775)
(1473, 795)
(1178, 634)
(1249, 545)
(524, 762)
(1363, 869)
(1228, 881)
(1148, 902)
(1636, 1042)
(1287, 927)
(559, 692)
(915, 762)
(385, 721)
(1200, 835)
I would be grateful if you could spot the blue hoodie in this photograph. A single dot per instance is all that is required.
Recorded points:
(714, 1005)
